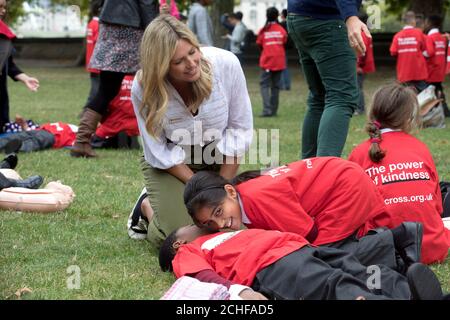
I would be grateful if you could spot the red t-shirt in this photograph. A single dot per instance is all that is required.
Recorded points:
(4, 30)
(447, 69)
(367, 62)
(91, 40)
(436, 48)
(409, 183)
(120, 116)
(236, 256)
(333, 194)
(64, 135)
(408, 45)
(272, 40)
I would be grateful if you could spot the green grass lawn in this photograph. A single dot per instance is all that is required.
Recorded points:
(37, 249)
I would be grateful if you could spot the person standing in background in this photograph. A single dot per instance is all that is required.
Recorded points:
(116, 54)
(324, 33)
(409, 46)
(365, 64)
(238, 34)
(200, 22)
(91, 39)
(271, 39)
(285, 81)
(9, 68)
(437, 60)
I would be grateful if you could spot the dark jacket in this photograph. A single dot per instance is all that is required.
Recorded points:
(131, 13)
(12, 70)
(325, 9)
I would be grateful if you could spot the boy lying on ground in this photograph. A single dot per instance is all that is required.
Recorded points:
(261, 264)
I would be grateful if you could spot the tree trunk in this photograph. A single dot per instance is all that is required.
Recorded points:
(426, 8)
(218, 8)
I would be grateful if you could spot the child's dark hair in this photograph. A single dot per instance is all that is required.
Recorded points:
(435, 21)
(272, 14)
(394, 106)
(95, 7)
(167, 252)
(237, 15)
(206, 189)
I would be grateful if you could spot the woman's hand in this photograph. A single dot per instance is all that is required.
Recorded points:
(354, 29)
(249, 294)
(31, 83)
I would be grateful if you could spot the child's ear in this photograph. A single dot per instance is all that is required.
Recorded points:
(177, 244)
(231, 191)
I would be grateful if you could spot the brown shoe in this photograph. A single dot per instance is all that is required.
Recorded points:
(87, 127)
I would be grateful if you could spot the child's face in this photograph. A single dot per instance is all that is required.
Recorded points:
(2, 9)
(227, 215)
(190, 233)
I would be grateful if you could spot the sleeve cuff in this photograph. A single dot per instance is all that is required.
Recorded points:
(235, 290)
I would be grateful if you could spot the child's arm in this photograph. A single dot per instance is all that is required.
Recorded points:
(235, 290)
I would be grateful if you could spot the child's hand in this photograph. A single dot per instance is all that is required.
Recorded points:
(249, 294)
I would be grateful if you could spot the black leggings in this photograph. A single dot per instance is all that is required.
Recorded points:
(109, 86)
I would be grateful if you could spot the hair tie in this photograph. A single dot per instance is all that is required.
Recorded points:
(377, 124)
(375, 140)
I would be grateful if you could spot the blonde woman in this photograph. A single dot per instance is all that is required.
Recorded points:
(194, 113)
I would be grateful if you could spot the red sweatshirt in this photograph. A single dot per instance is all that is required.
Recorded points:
(236, 256)
(272, 40)
(436, 48)
(409, 183)
(91, 40)
(120, 116)
(409, 45)
(5, 31)
(64, 134)
(333, 194)
(367, 62)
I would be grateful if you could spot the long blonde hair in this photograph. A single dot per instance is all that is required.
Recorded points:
(158, 46)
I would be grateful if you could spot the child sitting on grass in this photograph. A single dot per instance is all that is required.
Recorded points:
(402, 168)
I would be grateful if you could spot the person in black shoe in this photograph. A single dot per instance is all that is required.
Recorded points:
(9, 162)
(423, 283)
(33, 182)
(283, 265)
(408, 242)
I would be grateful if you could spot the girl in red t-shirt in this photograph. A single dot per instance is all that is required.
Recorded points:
(403, 169)
(327, 200)
(271, 39)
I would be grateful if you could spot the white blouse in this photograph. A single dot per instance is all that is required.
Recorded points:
(225, 117)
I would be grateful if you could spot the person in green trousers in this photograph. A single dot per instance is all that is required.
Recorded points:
(327, 34)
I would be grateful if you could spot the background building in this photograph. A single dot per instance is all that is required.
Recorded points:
(254, 11)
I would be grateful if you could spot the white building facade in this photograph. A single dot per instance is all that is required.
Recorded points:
(254, 11)
(41, 20)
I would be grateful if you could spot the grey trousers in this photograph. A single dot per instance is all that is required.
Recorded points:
(33, 140)
(270, 91)
(324, 273)
(377, 247)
